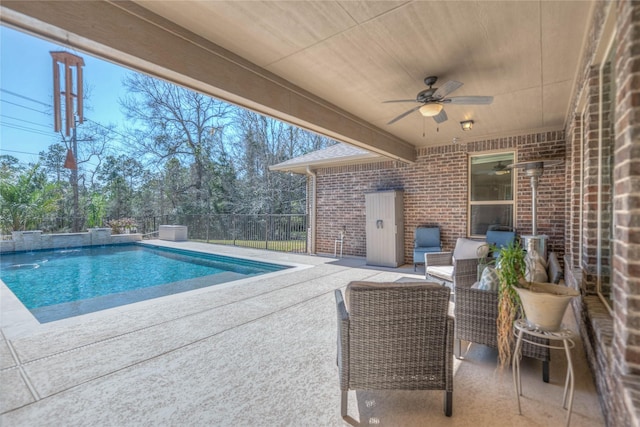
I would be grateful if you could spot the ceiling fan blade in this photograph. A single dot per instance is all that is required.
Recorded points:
(446, 89)
(400, 100)
(469, 100)
(406, 113)
(441, 116)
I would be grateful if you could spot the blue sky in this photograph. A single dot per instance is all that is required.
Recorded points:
(26, 93)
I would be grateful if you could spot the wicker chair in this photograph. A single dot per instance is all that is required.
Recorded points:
(395, 336)
(476, 312)
(459, 267)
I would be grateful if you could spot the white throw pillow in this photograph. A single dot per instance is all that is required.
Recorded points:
(469, 249)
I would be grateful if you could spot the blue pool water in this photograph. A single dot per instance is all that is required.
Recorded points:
(63, 283)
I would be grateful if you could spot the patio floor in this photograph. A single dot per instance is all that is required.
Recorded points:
(258, 351)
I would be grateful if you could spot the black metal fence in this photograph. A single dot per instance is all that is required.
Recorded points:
(287, 233)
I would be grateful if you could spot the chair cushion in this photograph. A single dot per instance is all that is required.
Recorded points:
(469, 249)
(489, 280)
(555, 271)
(418, 253)
(500, 238)
(427, 237)
(444, 272)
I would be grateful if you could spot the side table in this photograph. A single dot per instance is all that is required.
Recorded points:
(522, 328)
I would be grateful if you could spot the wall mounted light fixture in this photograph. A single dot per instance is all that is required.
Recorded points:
(467, 125)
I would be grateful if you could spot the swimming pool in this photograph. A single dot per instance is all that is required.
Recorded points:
(55, 284)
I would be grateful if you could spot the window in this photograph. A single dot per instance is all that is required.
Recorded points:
(491, 203)
(606, 138)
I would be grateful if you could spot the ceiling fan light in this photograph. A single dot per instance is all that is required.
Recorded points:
(466, 125)
(430, 110)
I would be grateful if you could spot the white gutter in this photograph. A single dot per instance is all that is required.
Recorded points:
(312, 215)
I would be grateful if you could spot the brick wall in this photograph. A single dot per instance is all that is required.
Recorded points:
(435, 193)
(551, 206)
(340, 202)
(626, 265)
(611, 340)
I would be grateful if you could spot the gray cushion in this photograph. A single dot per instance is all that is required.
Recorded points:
(555, 271)
(536, 268)
(470, 249)
(444, 272)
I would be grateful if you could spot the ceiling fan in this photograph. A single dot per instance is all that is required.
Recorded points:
(500, 169)
(432, 100)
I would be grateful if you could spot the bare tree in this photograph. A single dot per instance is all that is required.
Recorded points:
(262, 142)
(176, 123)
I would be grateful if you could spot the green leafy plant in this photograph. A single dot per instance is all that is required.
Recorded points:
(96, 210)
(26, 200)
(511, 267)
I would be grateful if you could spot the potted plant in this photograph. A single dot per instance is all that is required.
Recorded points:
(511, 267)
(542, 304)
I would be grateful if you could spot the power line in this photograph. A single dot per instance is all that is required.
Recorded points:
(27, 129)
(19, 152)
(105, 127)
(25, 107)
(37, 154)
(47, 113)
(23, 120)
(25, 97)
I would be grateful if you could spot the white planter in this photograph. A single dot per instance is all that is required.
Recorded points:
(544, 304)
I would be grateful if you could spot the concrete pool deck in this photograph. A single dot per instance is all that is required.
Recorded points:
(259, 351)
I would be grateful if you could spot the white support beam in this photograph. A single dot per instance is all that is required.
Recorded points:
(127, 34)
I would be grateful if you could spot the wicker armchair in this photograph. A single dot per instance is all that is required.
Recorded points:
(395, 336)
(476, 312)
(457, 268)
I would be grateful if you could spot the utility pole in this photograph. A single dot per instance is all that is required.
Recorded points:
(74, 181)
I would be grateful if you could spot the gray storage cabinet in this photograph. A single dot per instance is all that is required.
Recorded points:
(385, 228)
